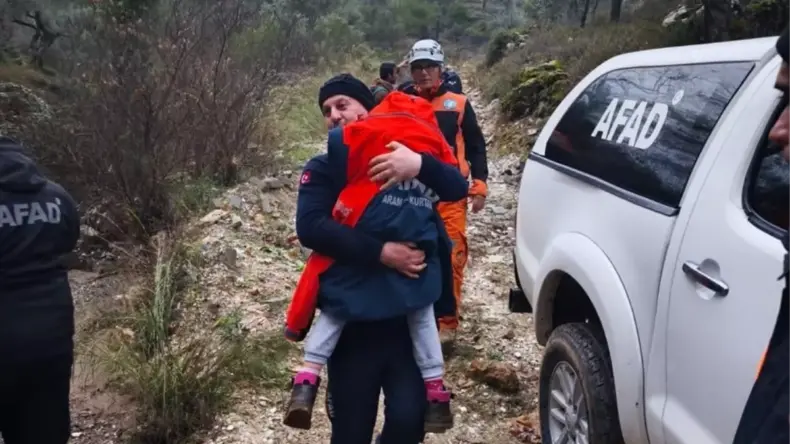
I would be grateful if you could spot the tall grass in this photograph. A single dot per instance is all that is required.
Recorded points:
(180, 381)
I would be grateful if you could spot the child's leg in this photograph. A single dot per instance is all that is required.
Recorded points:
(318, 347)
(428, 354)
(428, 349)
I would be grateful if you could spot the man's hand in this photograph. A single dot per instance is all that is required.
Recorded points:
(391, 168)
(404, 257)
(478, 203)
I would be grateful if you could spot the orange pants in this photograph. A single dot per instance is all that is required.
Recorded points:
(454, 217)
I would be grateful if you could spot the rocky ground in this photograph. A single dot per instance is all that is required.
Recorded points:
(253, 260)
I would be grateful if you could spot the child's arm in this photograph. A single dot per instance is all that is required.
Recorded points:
(444, 179)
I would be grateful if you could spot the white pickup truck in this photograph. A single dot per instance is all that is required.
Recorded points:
(648, 245)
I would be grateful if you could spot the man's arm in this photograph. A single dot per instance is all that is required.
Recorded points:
(475, 151)
(444, 179)
(319, 189)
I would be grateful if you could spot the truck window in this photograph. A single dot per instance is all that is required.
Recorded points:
(642, 129)
(767, 188)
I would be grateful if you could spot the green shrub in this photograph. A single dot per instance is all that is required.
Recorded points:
(498, 46)
(579, 50)
(538, 89)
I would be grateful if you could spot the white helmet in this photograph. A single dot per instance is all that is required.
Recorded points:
(426, 50)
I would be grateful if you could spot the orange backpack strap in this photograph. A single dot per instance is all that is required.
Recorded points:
(460, 99)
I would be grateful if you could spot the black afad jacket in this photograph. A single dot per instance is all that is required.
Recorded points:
(39, 224)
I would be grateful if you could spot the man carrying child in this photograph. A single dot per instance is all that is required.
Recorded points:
(381, 270)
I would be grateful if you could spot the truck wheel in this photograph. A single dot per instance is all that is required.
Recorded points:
(577, 398)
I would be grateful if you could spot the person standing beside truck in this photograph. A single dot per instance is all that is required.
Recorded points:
(765, 416)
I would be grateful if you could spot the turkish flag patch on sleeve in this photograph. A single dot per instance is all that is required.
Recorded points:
(305, 179)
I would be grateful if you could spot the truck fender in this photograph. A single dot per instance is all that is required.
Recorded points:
(579, 257)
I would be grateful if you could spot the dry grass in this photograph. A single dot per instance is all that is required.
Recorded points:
(180, 381)
(25, 75)
(293, 115)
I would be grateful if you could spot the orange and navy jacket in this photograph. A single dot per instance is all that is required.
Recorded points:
(458, 122)
(766, 415)
(345, 219)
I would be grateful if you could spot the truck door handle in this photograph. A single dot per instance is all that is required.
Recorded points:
(716, 285)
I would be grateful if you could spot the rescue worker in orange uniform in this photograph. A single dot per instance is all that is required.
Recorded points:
(459, 125)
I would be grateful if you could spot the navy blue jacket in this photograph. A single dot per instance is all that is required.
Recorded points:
(38, 225)
(357, 286)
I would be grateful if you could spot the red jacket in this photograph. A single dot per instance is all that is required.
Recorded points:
(400, 117)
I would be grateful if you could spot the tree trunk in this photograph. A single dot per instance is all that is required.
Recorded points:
(43, 36)
(584, 13)
(511, 12)
(717, 19)
(614, 12)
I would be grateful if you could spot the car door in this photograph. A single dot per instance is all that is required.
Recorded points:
(725, 293)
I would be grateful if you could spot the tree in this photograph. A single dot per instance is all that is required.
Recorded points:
(717, 19)
(585, 11)
(615, 10)
(44, 34)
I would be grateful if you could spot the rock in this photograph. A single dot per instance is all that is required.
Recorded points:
(493, 105)
(229, 257)
(509, 335)
(19, 104)
(496, 375)
(235, 222)
(681, 14)
(213, 217)
(526, 428)
(266, 204)
(268, 183)
(497, 210)
(207, 242)
(236, 201)
(538, 89)
(90, 237)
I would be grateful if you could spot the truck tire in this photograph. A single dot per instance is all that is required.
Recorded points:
(575, 361)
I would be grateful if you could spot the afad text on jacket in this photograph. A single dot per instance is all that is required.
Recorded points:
(38, 225)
